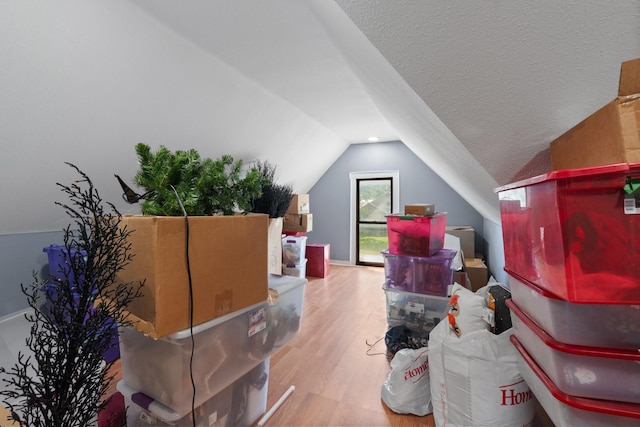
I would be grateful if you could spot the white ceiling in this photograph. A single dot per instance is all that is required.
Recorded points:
(503, 78)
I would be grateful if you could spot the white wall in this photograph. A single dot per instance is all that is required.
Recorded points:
(83, 82)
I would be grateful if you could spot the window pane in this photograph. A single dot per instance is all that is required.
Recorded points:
(373, 240)
(375, 199)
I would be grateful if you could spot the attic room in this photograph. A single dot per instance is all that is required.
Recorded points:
(458, 102)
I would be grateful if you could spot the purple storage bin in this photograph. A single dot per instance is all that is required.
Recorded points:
(423, 275)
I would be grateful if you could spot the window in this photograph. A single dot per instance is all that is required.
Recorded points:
(373, 196)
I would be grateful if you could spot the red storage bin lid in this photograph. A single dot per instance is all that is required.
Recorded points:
(609, 407)
(615, 169)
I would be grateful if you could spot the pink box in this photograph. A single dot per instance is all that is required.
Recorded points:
(423, 275)
(575, 233)
(570, 411)
(318, 259)
(420, 236)
(591, 372)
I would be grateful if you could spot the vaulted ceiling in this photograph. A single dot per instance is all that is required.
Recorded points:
(477, 89)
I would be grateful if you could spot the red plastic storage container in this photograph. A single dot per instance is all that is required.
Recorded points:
(575, 234)
(414, 235)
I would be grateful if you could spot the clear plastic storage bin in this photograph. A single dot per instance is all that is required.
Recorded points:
(570, 411)
(293, 249)
(224, 349)
(284, 310)
(418, 312)
(589, 372)
(240, 403)
(298, 270)
(595, 325)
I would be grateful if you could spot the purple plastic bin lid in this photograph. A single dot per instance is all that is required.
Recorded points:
(620, 409)
(572, 173)
(445, 254)
(577, 350)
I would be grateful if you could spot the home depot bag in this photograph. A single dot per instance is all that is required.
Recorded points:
(406, 389)
(475, 381)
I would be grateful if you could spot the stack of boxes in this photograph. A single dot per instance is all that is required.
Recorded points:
(573, 259)
(299, 257)
(418, 271)
(297, 222)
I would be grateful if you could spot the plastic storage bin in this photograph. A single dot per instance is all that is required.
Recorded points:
(420, 236)
(60, 262)
(590, 372)
(570, 411)
(284, 310)
(225, 348)
(595, 325)
(293, 249)
(574, 233)
(241, 403)
(423, 275)
(298, 270)
(419, 312)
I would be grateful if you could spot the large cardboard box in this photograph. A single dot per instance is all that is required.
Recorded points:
(477, 272)
(228, 263)
(299, 204)
(466, 234)
(610, 135)
(298, 222)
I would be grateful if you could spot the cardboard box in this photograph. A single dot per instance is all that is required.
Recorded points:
(274, 247)
(477, 272)
(610, 135)
(422, 209)
(467, 237)
(299, 204)
(318, 259)
(228, 260)
(298, 222)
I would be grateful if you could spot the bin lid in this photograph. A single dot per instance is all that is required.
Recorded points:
(618, 168)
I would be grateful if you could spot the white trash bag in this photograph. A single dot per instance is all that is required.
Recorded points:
(407, 389)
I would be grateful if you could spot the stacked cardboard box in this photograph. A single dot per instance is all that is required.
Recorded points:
(298, 217)
(475, 270)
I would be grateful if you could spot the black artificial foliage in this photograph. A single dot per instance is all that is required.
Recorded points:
(64, 382)
(275, 198)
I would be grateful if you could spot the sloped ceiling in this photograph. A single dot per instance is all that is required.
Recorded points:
(477, 89)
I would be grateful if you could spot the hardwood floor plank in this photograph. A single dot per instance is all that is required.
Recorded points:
(327, 360)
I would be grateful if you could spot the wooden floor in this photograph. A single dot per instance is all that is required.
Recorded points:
(336, 373)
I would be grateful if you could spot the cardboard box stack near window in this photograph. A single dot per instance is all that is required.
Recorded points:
(475, 270)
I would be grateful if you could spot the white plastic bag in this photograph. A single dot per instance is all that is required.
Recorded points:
(406, 389)
(475, 381)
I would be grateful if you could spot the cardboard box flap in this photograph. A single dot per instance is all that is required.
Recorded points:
(629, 78)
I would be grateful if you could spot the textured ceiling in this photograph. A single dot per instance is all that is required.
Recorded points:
(506, 77)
